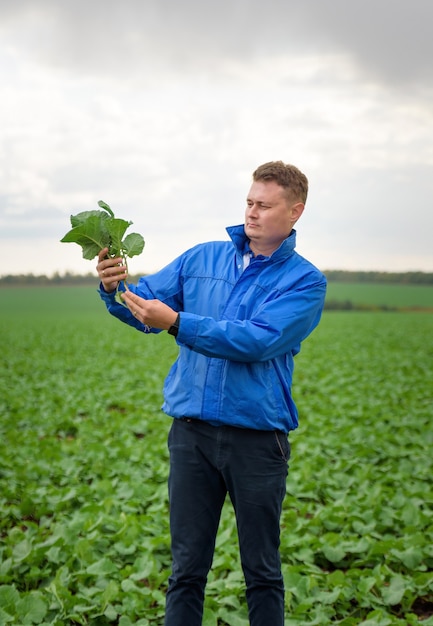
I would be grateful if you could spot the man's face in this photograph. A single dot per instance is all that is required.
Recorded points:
(269, 216)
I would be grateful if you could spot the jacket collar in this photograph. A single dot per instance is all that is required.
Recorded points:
(241, 243)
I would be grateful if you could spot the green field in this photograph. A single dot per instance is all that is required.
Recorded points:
(83, 466)
(382, 295)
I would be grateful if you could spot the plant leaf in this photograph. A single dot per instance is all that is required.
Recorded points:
(90, 235)
(106, 207)
(116, 228)
(94, 230)
(103, 567)
(9, 596)
(81, 218)
(133, 244)
(393, 594)
(32, 608)
(334, 554)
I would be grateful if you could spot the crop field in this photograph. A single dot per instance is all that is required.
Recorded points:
(382, 295)
(84, 535)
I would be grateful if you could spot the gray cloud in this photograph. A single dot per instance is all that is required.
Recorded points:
(387, 40)
(164, 108)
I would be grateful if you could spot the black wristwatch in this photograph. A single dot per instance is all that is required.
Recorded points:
(174, 328)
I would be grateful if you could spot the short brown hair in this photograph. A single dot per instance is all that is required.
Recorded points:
(285, 175)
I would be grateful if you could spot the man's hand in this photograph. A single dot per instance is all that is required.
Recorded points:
(154, 313)
(111, 271)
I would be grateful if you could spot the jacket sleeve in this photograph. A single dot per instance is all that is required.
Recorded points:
(163, 285)
(121, 311)
(277, 327)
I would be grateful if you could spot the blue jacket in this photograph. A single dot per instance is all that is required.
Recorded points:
(239, 330)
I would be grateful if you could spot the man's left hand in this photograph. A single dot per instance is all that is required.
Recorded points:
(153, 313)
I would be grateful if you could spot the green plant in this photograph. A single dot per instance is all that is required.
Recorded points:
(84, 535)
(95, 230)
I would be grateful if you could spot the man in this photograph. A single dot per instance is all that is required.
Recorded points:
(239, 310)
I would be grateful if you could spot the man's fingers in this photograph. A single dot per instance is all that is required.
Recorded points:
(131, 297)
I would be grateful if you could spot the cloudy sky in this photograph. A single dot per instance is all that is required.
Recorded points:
(164, 108)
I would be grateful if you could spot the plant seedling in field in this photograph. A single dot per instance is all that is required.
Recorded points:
(95, 230)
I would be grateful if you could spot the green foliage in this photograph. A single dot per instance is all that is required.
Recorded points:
(95, 230)
(385, 278)
(341, 295)
(84, 533)
(375, 296)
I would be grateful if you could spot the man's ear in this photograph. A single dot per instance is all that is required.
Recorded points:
(296, 211)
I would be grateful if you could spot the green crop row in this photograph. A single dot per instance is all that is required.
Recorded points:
(385, 296)
(83, 466)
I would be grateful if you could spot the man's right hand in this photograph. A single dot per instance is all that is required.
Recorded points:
(110, 271)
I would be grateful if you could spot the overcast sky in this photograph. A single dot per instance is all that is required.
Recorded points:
(164, 108)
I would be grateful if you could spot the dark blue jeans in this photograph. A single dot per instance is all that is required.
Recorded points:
(206, 462)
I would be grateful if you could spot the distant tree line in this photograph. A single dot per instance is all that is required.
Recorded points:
(67, 279)
(402, 278)
(348, 305)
